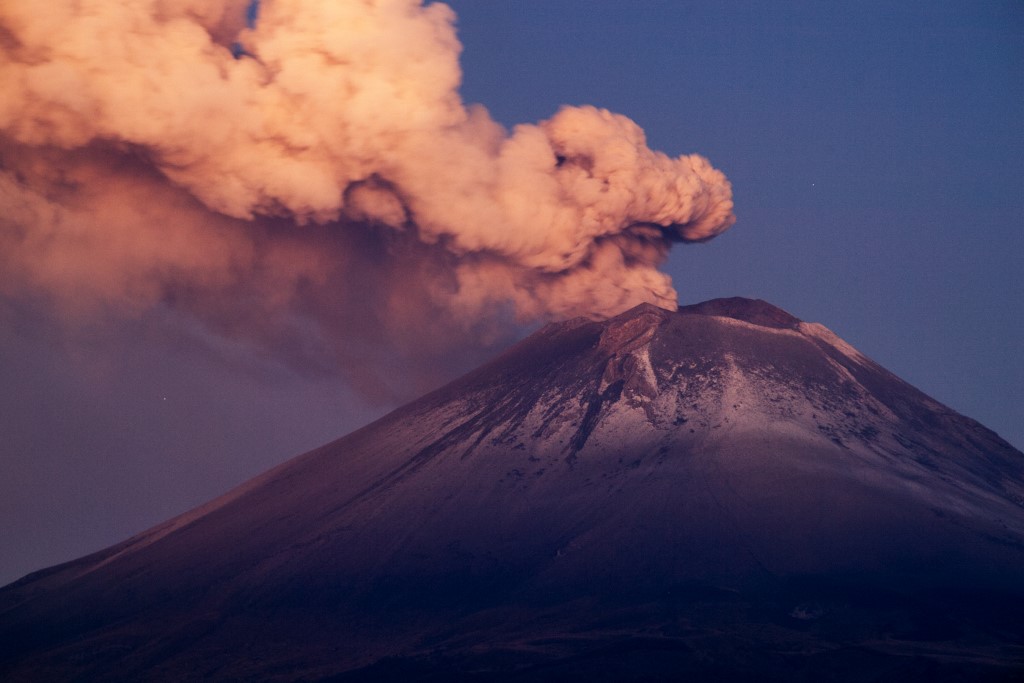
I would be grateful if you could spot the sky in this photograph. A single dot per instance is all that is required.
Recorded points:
(874, 151)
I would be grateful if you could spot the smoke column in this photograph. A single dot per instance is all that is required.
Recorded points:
(302, 175)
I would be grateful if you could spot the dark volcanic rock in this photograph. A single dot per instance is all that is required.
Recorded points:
(721, 493)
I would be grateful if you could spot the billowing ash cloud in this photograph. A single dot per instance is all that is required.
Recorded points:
(312, 180)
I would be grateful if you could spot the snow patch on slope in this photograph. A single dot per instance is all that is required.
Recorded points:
(761, 329)
(819, 331)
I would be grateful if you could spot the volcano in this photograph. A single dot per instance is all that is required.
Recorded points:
(722, 492)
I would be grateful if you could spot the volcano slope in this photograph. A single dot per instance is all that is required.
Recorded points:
(722, 493)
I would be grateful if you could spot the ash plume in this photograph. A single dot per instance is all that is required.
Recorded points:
(303, 175)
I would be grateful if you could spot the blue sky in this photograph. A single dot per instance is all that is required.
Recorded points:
(876, 153)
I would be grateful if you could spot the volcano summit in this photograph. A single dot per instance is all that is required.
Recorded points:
(723, 492)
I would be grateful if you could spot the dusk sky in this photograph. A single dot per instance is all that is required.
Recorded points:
(875, 152)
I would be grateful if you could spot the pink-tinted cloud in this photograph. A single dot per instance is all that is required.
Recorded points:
(327, 193)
